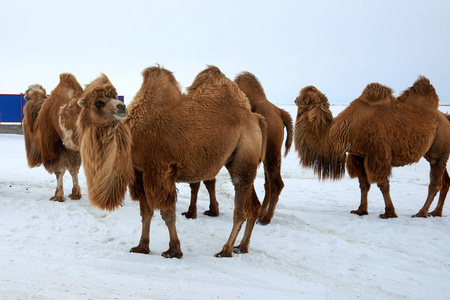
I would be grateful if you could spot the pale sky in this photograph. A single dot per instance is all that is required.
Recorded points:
(338, 46)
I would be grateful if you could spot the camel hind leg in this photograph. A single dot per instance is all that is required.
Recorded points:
(389, 210)
(437, 212)
(437, 170)
(246, 207)
(273, 186)
(59, 192)
(73, 165)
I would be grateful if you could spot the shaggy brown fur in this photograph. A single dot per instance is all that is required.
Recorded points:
(276, 120)
(378, 132)
(54, 133)
(35, 96)
(174, 138)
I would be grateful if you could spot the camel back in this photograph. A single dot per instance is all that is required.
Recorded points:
(211, 84)
(376, 93)
(250, 85)
(421, 93)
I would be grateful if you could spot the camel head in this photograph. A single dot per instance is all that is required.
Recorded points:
(35, 91)
(101, 106)
(309, 96)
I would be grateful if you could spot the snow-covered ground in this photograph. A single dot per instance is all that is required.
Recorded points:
(313, 249)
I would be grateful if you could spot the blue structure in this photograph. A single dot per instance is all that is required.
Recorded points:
(11, 107)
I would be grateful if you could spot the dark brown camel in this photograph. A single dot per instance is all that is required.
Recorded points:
(277, 119)
(169, 137)
(378, 132)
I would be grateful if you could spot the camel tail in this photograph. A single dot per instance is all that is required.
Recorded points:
(287, 121)
(263, 128)
(35, 96)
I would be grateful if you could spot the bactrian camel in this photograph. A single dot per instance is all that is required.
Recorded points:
(169, 137)
(373, 134)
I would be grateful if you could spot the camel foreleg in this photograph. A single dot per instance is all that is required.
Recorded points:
(146, 214)
(252, 209)
(389, 210)
(273, 186)
(74, 167)
(213, 204)
(174, 250)
(192, 210)
(355, 168)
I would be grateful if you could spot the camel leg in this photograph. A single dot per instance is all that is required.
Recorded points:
(437, 212)
(242, 192)
(74, 167)
(59, 193)
(275, 183)
(437, 170)
(168, 215)
(389, 210)
(355, 166)
(213, 204)
(252, 209)
(146, 214)
(266, 200)
(192, 211)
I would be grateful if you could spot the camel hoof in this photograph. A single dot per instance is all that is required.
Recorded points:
(419, 215)
(211, 213)
(57, 198)
(263, 221)
(360, 212)
(434, 213)
(139, 249)
(240, 250)
(75, 196)
(388, 216)
(189, 215)
(172, 253)
(223, 254)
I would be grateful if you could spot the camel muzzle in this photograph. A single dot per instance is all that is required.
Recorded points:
(121, 111)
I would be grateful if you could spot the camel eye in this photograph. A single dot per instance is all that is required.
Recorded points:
(99, 104)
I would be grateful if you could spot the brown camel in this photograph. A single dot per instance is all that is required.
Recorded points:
(170, 137)
(50, 131)
(276, 119)
(378, 132)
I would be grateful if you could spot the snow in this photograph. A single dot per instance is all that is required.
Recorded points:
(313, 249)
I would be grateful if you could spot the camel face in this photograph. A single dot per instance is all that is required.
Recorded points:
(104, 109)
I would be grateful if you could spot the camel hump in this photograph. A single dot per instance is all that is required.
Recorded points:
(421, 93)
(158, 71)
(310, 95)
(67, 80)
(212, 85)
(376, 93)
(250, 85)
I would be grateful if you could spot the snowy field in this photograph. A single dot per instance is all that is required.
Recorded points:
(313, 249)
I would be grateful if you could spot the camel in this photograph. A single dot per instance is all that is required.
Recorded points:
(170, 137)
(276, 119)
(50, 133)
(377, 132)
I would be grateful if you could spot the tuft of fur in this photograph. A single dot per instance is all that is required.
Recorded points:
(421, 93)
(376, 93)
(35, 96)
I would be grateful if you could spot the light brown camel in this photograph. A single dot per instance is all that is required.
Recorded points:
(50, 131)
(378, 132)
(169, 137)
(277, 119)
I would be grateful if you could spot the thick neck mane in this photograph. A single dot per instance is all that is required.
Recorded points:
(212, 85)
(251, 87)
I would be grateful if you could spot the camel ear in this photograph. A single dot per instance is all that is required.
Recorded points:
(82, 103)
